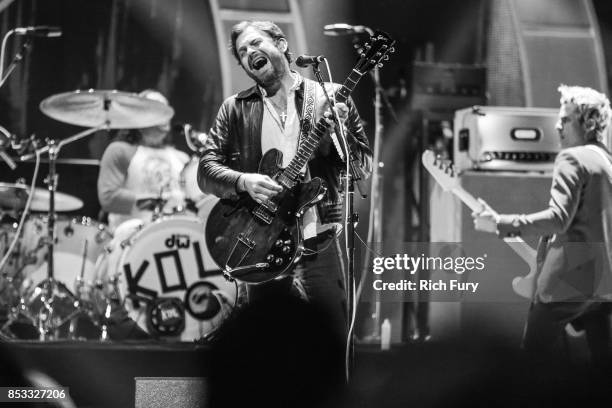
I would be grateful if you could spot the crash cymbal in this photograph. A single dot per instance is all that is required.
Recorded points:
(63, 201)
(93, 108)
(13, 196)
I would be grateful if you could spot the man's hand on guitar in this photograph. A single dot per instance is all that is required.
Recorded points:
(259, 186)
(486, 219)
(341, 110)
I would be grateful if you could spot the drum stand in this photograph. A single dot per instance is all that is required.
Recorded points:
(47, 326)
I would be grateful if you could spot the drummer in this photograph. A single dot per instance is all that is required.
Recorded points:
(138, 170)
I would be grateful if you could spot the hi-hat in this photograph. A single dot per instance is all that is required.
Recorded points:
(94, 108)
(13, 196)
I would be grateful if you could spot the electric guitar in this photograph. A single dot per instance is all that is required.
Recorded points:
(255, 243)
(446, 177)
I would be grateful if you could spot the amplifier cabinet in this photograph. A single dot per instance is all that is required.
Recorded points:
(505, 138)
(494, 310)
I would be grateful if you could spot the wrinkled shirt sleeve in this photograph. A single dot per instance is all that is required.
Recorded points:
(114, 165)
(568, 180)
(214, 175)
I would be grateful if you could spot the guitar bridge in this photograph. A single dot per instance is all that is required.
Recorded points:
(239, 252)
(246, 241)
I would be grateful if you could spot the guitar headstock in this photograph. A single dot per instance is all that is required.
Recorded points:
(375, 51)
(441, 170)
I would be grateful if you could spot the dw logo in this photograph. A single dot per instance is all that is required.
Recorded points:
(178, 240)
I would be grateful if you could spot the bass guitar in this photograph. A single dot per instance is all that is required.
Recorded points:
(445, 175)
(255, 243)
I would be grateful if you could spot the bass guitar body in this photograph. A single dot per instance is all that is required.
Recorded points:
(253, 242)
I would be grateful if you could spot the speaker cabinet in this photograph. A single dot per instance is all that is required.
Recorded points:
(494, 310)
(533, 46)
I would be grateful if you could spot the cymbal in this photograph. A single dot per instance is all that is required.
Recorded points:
(93, 108)
(13, 196)
(63, 201)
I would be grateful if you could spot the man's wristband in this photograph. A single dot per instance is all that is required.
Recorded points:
(240, 184)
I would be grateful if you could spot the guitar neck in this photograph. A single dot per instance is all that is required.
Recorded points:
(517, 244)
(467, 199)
(311, 141)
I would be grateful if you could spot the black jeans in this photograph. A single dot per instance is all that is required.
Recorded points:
(319, 279)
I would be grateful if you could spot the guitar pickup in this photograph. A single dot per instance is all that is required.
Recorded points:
(261, 213)
(270, 206)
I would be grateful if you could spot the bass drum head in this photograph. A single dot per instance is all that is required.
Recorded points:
(171, 286)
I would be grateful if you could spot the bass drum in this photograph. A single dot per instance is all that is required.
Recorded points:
(170, 285)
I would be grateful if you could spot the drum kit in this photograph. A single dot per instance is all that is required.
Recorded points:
(65, 277)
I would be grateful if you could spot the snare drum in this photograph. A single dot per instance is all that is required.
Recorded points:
(79, 242)
(170, 285)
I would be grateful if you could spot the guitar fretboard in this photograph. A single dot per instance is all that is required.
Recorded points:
(311, 141)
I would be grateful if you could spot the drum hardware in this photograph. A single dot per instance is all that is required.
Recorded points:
(20, 323)
(102, 109)
(48, 309)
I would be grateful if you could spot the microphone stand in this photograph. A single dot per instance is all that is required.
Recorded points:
(375, 233)
(25, 47)
(351, 178)
(50, 285)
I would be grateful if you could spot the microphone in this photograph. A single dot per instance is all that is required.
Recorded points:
(39, 31)
(304, 61)
(346, 29)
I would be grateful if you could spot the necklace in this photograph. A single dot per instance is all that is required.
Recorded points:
(282, 113)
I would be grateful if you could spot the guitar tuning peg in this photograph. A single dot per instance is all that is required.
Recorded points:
(362, 55)
(386, 57)
(392, 50)
(379, 65)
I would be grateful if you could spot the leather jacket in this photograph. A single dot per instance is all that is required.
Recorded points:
(234, 146)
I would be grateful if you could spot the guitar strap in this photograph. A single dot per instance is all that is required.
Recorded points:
(309, 220)
(307, 109)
